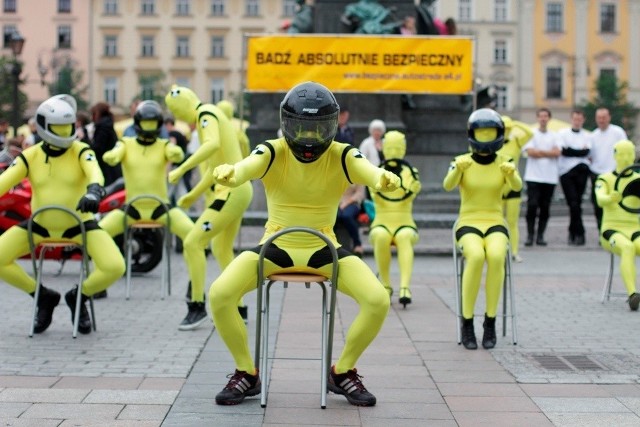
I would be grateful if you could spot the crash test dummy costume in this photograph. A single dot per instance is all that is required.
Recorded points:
(239, 125)
(304, 174)
(144, 159)
(516, 135)
(64, 172)
(393, 223)
(480, 232)
(620, 232)
(220, 222)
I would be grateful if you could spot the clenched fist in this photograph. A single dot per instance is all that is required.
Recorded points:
(175, 175)
(615, 197)
(110, 158)
(224, 174)
(463, 163)
(388, 181)
(507, 168)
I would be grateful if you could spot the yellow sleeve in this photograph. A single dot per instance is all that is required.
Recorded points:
(255, 165)
(602, 191)
(90, 167)
(13, 174)
(115, 155)
(452, 178)
(360, 170)
(173, 153)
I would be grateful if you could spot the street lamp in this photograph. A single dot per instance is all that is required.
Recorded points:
(16, 43)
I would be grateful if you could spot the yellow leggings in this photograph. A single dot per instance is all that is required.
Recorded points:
(476, 249)
(404, 240)
(622, 246)
(108, 264)
(512, 215)
(355, 279)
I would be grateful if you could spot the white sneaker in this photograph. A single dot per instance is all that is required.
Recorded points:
(516, 258)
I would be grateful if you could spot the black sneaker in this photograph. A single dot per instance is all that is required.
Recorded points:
(195, 317)
(634, 301)
(244, 313)
(240, 385)
(47, 302)
(350, 386)
(84, 323)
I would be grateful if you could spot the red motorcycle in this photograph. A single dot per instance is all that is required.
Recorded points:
(15, 207)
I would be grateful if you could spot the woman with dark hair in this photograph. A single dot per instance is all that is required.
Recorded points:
(104, 139)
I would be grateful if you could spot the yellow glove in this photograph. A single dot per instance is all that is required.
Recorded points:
(615, 197)
(463, 163)
(415, 187)
(224, 174)
(174, 153)
(507, 168)
(388, 181)
(175, 175)
(111, 158)
(186, 201)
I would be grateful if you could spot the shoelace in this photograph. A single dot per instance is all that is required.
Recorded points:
(354, 377)
(234, 379)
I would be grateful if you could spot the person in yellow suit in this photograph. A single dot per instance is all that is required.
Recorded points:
(480, 233)
(238, 124)
(516, 135)
(64, 172)
(144, 159)
(393, 223)
(220, 222)
(620, 228)
(304, 174)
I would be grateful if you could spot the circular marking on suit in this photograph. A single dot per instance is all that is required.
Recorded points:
(207, 226)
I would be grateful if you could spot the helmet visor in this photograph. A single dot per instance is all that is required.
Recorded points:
(308, 130)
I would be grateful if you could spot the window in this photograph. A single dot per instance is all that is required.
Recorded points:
(464, 10)
(217, 90)
(7, 32)
(111, 90)
(64, 37)
(217, 7)
(147, 46)
(110, 46)
(607, 18)
(554, 17)
(183, 7)
(554, 83)
(500, 52)
(9, 6)
(182, 46)
(608, 72)
(146, 91)
(148, 7)
(289, 7)
(500, 11)
(217, 47)
(64, 6)
(252, 7)
(110, 7)
(502, 98)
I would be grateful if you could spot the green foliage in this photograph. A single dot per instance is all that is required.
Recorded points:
(612, 94)
(152, 88)
(6, 91)
(68, 81)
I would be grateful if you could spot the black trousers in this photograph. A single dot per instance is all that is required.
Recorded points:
(538, 204)
(597, 210)
(573, 185)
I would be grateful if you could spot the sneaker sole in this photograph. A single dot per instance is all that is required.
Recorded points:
(240, 399)
(192, 326)
(351, 400)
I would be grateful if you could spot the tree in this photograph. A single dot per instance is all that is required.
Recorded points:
(68, 81)
(612, 94)
(6, 90)
(151, 87)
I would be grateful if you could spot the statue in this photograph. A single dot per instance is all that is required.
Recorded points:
(368, 16)
(303, 20)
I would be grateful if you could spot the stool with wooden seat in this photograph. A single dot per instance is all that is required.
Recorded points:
(328, 310)
(53, 244)
(508, 309)
(165, 282)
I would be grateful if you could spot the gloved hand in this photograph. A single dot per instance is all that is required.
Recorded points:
(507, 168)
(463, 163)
(615, 197)
(388, 181)
(186, 201)
(415, 187)
(110, 158)
(224, 174)
(175, 175)
(91, 200)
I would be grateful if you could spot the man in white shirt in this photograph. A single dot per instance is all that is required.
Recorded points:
(604, 138)
(541, 176)
(573, 167)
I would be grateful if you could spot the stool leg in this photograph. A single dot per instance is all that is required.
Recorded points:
(127, 251)
(606, 292)
(264, 368)
(512, 303)
(504, 298)
(168, 250)
(324, 373)
(457, 261)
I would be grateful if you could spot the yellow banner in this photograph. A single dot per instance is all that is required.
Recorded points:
(378, 64)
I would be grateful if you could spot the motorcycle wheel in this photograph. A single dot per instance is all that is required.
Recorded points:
(147, 249)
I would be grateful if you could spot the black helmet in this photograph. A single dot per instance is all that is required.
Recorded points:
(148, 110)
(485, 118)
(309, 120)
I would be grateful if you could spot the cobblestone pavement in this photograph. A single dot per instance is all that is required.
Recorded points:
(576, 361)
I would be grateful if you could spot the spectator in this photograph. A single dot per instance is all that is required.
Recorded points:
(541, 176)
(371, 146)
(82, 123)
(345, 133)
(601, 156)
(4, 130)
(408, 27)
(104, 139)
(33, 138)
(12, 148)
(573, 167)
(348, 211)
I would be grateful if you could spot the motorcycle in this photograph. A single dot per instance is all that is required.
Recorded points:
(147, 244)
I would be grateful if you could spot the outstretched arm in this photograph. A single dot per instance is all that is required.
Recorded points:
(456, 170)
(604, 196)
(362, 171)
(13, 175)
(173, 153)
(252, 167)
(209, 134)
(115, 155)
(205, 182)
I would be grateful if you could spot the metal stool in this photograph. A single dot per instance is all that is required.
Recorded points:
(328, 309)
(507, 291)
(38, 261)
(165, 282)
(606, 291)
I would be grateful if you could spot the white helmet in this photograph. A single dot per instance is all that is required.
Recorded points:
(69, 99)
(56, 111)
